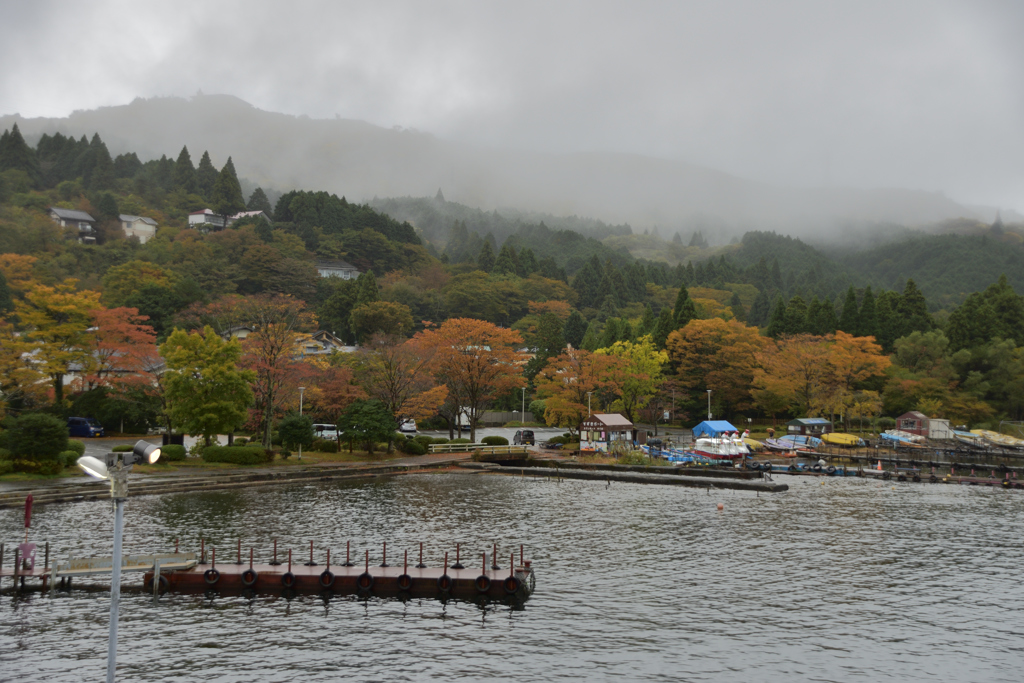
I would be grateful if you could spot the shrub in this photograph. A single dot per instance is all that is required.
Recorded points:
(558, 440)
(5, 454)
(413, 447)
(241, 441)
(296, 430)
(460, 440)
(275, 438)
(123, 448)
(236, 455)
(425, 439)
(439, 440)
(6, 466)
(325, 446)
(284, 454)
(494, 441)
(172, 452)
(76, 446)
(35, 436)
(886, 423)
(537, 407)
(68, 458)
(634, 458)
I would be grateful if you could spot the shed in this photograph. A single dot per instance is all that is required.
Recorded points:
(600, 431)
(811, 426)
(913, 422)
(939, 429)
(713, 428)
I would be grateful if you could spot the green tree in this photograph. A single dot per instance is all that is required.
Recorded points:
(296, 430)
(640, 376)
(527, 263)
(6, 301)
(366, 289)
(849, 318)
(367, 422)
(258, 202)
(485, 260)
(796, 316)
(913, 310)
(386, 317)
(736, 306)
(205, 391)
(17, 155)
(206, 176)
(761, 309)
(665, 326)
(107, 207)
(777, 322)
(508, 261)
(575, 329)
(867, 318)
(185, 173)
(34, 436)
(684, 310)
(226, 197)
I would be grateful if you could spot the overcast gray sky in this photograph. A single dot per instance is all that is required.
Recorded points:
(925, 95)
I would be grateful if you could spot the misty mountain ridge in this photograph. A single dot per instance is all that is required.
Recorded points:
(362, 161)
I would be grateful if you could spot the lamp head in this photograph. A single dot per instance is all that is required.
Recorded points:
(94, 467)
(145, 452)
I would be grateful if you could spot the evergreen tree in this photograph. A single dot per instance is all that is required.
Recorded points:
(6, 301)
(867, 318)
(888, 323)
(849, 319)
(761, 309)
(258, 202)
(101, 176)
(796, 316)
(611, 333)
(665, 326)
(107, 207)
(591, 339)
(913, 310)
(226, 197)
(647, 322)
(677, 239)
(185, 173)
(684, 310)
(127, 165)
(776, 276)
(16, 155)
(587, 283)
(206, 177)
(829, 322)
(527, 263)
(614, 285)
(366, 289)
(736, 306)
(777, 321)
(485, 260)
(575, 329)
(507, 262)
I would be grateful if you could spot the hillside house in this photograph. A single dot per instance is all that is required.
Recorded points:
(342, 269)
(142, 227)
(322, 343)
(206, 220)
(249, 214)
(80, 220)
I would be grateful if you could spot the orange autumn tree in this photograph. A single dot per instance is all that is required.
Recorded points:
(476, 360)
(123, 348)
(567, 379)
(331, 392)
(719, 355)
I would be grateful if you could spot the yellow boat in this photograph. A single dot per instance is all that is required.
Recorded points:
(840, 439)
(753, 444)
(998, 439)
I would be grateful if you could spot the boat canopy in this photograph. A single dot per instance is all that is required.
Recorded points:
(713, 428)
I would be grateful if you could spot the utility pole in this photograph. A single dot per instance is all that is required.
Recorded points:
(588, 402)
(709, 404)
(301, 391)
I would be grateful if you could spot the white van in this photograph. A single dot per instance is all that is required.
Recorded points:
(408, 427)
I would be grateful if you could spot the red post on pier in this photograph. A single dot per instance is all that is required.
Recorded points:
(239, 551)
(384, 563)
(202, 551)
(367, 561)
(28, 514)
(289, 559)
(348, 561)
(405, 564)
(175, 546)
(512, 564)
(250, 558)
(311, 553)
(483, 570)
(328, 559)
(275, 551)
(520, 554)
(213, 557)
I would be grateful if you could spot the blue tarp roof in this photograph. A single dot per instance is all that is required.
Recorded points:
(713, 428)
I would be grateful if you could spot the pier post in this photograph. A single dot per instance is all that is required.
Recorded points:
(348, 557)
(239, 561)
(384, 562)
(421, 565)
(274, 561)
(494, 558)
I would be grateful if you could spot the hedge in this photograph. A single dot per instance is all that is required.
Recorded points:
(412, 447)
(324, 446)
(123, 448)
(68, 458)
(494, 441)
(457, 441)
(237, 455)
(172, 452)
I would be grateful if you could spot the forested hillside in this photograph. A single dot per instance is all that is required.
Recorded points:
(746, 320)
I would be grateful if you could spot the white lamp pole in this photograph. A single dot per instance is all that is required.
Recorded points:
(588, 402)
(709, 404)
(301, 390)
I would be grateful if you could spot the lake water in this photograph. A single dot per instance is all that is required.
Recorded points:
(835, 580)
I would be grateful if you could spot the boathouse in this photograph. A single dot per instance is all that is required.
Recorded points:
(713, 428)
(914, 422)
(601, 431)
(810, 426)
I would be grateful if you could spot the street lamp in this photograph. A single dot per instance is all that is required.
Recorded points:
(588, 402)
(115, 469)
(301, 390)
(709, 404)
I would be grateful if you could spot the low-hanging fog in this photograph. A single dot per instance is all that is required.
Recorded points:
(757, 114)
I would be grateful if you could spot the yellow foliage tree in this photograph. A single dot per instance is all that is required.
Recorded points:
(56, 320)
(639, 373)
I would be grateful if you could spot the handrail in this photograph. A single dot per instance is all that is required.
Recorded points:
(481, 448)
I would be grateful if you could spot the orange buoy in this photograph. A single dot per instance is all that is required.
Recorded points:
(721, 507)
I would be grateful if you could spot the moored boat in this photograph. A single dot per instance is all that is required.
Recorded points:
(997, 439)
(841, 439)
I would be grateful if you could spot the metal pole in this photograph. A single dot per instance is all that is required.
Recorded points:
(588, 403)
(301, 391)
(709, 404)
(115, 588)
(524, 405)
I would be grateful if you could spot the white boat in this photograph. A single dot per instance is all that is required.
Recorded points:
(721, 447)
(997, 439)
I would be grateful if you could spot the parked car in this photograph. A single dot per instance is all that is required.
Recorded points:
(84, 426)
(524, 437)
(325, 431)
(408, 427)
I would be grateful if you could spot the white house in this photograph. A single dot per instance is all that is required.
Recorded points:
(321, 343)
(342, 269)
(205, 220)
(142, 227)
(249, 214)
(80, 220)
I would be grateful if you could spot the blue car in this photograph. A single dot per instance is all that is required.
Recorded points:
(84, 426)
